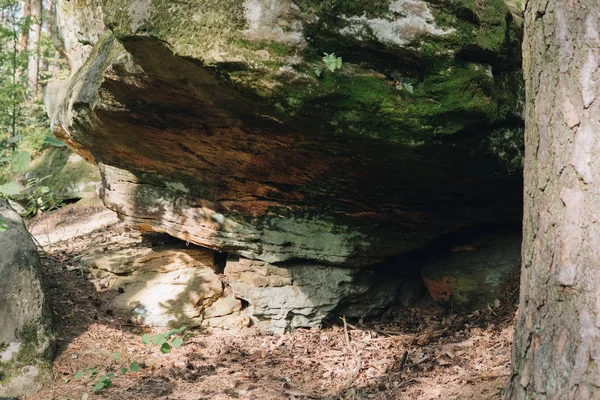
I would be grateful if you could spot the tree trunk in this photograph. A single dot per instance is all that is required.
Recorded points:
(556, 352)
(23, 34)
(33, 47)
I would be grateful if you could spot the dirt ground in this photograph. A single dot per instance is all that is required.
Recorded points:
(409, 353)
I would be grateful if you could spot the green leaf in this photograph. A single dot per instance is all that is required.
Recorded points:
(3, 225)
(51, 140)
(159, 339)
(146, 338)
(10, 189)
(172, 332)
(93, 372)
(98, 386)
(78, 375)
(318, 71)
(16, 139)
(20, 161)
(123, 371)
(183, 328)
(84, 397)
(116, 356)
(134, 367)
(111, 375)
(177, 342)
(165, 348)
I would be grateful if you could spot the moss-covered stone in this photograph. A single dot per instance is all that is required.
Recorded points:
(67, 175)
(26, 345)
(223, 99)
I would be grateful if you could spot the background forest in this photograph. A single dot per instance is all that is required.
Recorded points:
(27, 61)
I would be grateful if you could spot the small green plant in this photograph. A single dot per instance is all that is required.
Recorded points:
(167, 341)
(330, 62)
(40, 198)
(175, 336)
(105, 381)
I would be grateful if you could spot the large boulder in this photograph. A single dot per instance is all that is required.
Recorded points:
(220, 123)
(167, 286)
(474, 273)
(67, 175)
(25, 333)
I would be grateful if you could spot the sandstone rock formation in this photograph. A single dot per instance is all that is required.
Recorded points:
(224, 123)
(300, 295)
(212, 125)
(25, 333)
(168, 286)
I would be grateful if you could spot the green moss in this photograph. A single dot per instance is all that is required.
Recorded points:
(372, 8)
(191, 28)
(378, 107)
(28, 336)
(281, 49)
(480, 24)
(67, 175)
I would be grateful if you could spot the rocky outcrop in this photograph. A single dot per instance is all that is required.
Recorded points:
(220, 123)
(167, 286)
(67, 175)
(178, 285)
(25, 333)
(301, 294)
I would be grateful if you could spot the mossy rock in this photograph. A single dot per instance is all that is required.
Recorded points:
(211, 124)
(26, 344)
(66, 174)
(472, 274)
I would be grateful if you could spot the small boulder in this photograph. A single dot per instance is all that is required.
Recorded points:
(167, 286)
(25, 333)
(472, 275)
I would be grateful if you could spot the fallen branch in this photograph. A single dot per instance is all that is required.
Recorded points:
(297, 393)
(484, 377)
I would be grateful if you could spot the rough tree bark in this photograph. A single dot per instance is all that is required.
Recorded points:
(33, 62)
(556, 352)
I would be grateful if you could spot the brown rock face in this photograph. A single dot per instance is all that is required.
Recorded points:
(190, 148)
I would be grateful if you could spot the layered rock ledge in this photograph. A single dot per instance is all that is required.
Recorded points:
(211, 122)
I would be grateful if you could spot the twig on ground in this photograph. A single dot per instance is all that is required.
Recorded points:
(484, 377)
(301, 394)
(404, 357)
(356, 358)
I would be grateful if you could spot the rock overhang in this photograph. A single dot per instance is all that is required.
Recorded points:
(344, 169)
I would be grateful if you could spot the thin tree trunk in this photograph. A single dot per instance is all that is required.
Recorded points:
(556, 353)
(48, 18)
(23, 33)
(33, 47)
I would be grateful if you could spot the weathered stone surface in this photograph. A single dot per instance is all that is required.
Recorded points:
(304, 295)
(167, 287)
(25, 333)
(231, 140)
(67, 175)
(473, 274)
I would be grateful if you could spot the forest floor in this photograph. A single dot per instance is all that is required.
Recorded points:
(448, 356)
